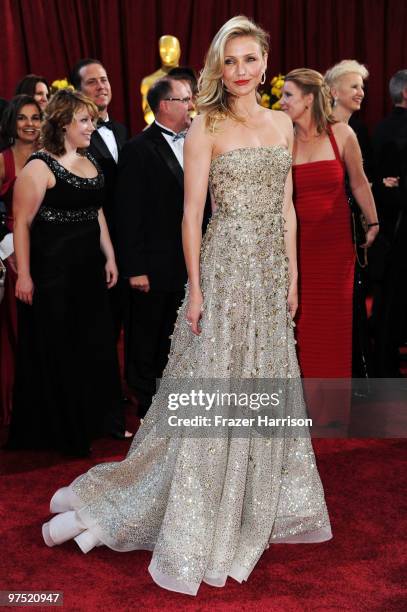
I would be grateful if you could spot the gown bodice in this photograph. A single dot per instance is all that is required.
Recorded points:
(248, 183)
(247, 229)
(244, 273)
(73, 198)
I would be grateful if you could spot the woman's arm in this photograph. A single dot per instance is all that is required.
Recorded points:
(29, 191)
(107, 248)
(197, 160)
(290, 236)
(359, 184)
(291, 246)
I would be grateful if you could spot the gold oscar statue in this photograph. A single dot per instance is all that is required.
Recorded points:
(170, 52)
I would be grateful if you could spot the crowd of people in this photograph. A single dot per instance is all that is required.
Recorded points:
(221, 235)
(335, 170)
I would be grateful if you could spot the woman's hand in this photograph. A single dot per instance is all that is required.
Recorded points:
(25, 289)
(141, 283)
(111, 273)
(194, 311)
(292, 299)
(370, 236)
(391, 181)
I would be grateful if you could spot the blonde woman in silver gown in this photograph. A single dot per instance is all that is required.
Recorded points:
(208, 507)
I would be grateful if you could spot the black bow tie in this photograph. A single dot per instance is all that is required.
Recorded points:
(174, 135)
(106, 124)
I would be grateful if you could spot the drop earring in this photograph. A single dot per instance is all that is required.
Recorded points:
(263, 78)
(335, 102)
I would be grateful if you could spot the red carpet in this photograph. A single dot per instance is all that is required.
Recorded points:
(362, 568)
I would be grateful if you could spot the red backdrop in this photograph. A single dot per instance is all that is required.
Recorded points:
(48, 36)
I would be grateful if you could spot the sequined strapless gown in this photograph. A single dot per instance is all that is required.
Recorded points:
(208, 507)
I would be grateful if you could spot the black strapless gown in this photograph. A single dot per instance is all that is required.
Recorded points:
(67, 378)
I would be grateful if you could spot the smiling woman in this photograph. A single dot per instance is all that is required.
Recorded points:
(67, 379)
(233, 65)
(347, 83)
(208, 506)
(21, 128)
(69, 125)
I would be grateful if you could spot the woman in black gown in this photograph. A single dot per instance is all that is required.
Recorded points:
(67, 380)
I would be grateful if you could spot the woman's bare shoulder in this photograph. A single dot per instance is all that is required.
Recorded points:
(37, 172)
(36, 165)
(199, 125)
(342, 131)
(199, 134)
(279, 119)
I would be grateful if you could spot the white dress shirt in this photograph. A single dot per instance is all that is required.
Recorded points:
(109, 140)
(6, 246)
(177, 146)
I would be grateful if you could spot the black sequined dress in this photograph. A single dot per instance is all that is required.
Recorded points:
(67, 378)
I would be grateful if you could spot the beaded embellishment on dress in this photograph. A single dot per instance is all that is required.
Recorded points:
(56, 215)
(67, 176)
(208, 507)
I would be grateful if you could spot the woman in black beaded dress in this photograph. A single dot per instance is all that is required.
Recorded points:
(67, 380)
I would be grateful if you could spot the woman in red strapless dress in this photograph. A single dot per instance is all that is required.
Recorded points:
(20, 124)
(323, 152)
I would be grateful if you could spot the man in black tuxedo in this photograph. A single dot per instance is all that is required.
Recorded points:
(89, 76)
(149, 202)
(390, 301)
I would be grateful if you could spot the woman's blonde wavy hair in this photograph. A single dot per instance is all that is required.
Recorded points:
(213, 100)
(312, 82)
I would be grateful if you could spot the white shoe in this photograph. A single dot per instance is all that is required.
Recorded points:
(87, 540)
(61, 501)
(46, 535)
(62, 527)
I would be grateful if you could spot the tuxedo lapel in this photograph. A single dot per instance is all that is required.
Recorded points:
(119, 134)
(99, 144)
(164, 151)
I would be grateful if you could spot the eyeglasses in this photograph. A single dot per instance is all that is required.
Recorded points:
(183, 100)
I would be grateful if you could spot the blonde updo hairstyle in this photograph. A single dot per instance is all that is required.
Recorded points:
(60, 112)
(213, 99)
(312, 82)
(347, 66)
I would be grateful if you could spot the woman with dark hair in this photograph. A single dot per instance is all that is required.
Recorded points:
(20, 128)
(35, 86)
(67, 374)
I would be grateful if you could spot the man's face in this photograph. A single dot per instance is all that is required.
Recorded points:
(178, 110)
(95, 85)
